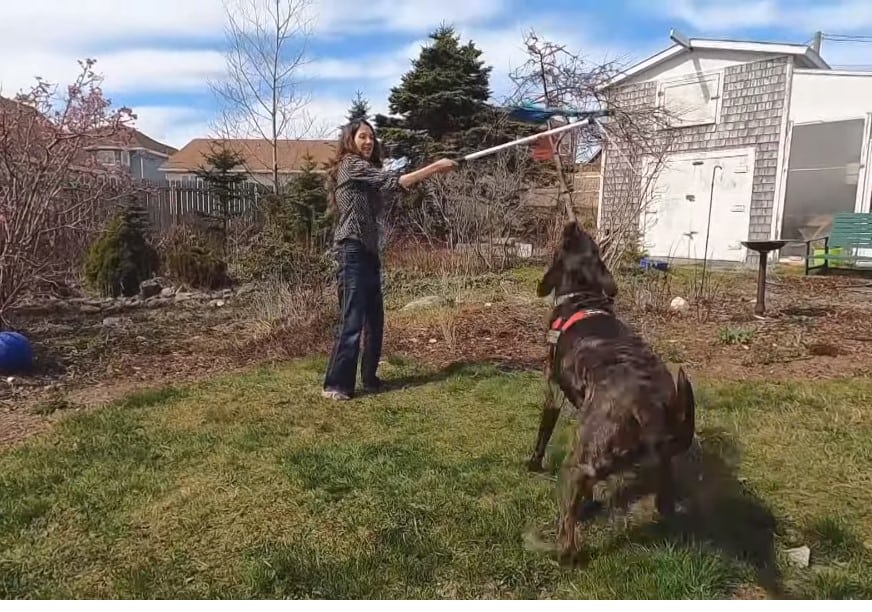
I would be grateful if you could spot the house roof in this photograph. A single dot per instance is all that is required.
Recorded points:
(131, 138)
(804, 53)
(16, 109)
(257, 153)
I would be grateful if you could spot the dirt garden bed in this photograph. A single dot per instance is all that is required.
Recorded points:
(93, 352)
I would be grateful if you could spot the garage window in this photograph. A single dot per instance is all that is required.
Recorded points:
(691, 100)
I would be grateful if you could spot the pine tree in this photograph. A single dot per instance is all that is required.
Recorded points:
(440, 98)
(307, 198)
(359, 108)
(122, 257)
(222, 178)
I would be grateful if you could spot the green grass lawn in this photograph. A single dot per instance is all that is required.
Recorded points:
(255, 487)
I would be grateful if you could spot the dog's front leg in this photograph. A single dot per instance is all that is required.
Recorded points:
(550, 414)
(665, 498)
(577, 485)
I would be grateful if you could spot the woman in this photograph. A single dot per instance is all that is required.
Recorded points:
(356, 182)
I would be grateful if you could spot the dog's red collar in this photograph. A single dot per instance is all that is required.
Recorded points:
(561, 325)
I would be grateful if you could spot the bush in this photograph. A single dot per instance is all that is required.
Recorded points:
(191, 259)
(121, 257)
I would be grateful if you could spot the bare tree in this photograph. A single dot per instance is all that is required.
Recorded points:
(53, 192)
(633, 135)
(262, 94)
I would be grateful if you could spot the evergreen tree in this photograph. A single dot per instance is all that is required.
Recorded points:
(440, 98)
(305, 217)
(223, 179)
(359, 108)
(122, 257)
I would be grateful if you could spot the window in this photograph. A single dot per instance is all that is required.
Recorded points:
(107, 158)
(691, 100)
(125, 158)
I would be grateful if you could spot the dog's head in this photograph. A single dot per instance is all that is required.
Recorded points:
(577, 267)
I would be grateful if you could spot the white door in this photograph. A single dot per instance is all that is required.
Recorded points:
(684, 208)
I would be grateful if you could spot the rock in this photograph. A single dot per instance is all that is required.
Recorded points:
(158, 302)
(113, 322)
(183, 297)
(430, 301)
(89, 309)
(246, 289)
(167, 292)
(149, 288)
(433, 340)
(679, 305)
(799, 557)
(217, 303)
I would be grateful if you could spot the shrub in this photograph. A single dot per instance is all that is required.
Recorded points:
(190, 258)
(121, 257)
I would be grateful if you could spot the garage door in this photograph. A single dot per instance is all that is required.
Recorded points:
(684, 208)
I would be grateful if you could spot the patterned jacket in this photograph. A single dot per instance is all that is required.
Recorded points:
(359, 189)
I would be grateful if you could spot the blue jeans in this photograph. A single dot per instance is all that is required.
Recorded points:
(361, 310)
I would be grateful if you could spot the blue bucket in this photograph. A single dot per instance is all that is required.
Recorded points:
(16, 354)
(647, 264)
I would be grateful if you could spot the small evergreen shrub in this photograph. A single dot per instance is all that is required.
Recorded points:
(122, 256)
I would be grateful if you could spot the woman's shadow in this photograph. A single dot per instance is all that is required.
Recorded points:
(715, 507)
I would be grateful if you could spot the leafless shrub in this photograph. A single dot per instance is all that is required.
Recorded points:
(478, 210)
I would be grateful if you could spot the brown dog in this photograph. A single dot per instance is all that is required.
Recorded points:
(630, 410)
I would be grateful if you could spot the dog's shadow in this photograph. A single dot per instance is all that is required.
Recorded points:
(715, 508)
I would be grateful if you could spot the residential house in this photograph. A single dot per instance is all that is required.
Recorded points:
(257, 153)
(132, 150)
(767, 142)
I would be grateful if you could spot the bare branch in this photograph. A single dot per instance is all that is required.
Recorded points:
(53, 194)
(262, 94)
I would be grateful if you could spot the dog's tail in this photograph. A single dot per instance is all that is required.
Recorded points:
(683, 413)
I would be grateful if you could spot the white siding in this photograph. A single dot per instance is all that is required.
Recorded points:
(829, 96)
(696, 62)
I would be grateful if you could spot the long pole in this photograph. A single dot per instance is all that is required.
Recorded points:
(709, 225)
(526, 139)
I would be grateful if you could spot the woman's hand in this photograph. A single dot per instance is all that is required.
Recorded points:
(444, 166)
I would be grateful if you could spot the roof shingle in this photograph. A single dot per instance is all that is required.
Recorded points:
(256, 152)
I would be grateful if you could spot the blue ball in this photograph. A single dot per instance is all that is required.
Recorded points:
(16, 355)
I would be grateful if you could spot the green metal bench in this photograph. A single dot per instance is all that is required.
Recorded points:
(850, 232)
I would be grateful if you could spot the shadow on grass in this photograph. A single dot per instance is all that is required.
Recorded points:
(717, 510)
(454, 369)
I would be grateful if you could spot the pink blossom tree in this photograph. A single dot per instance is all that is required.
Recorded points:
(53, 193)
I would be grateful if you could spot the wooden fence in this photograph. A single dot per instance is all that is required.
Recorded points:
(170, 202)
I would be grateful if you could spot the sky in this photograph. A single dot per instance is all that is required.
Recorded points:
(158, 56)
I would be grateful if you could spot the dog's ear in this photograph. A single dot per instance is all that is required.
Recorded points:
(594, 269)
(606, 280)
(549, 281)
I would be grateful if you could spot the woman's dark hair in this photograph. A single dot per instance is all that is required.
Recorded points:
(345, 147)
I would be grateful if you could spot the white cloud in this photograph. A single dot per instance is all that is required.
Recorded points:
(719, 16)
(172, 125)
(413, 16)
(178, 125)
(132, 70)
